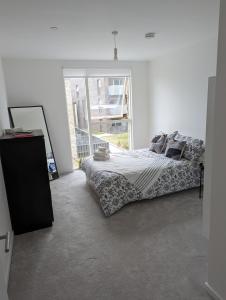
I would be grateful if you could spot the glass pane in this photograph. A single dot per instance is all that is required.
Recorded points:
(78, 118)
(109, 112)
(107, 97)
(114, 133)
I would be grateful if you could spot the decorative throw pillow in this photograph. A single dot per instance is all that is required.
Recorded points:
(172, 135)
(194, 151)
(194, 148)
(169, 137)
(188, 139)
(156, 138)
(175, 149)
(158, 146)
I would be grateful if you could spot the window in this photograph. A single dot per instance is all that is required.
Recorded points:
(101, 117)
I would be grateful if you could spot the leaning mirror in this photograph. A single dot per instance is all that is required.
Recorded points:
(30, 118)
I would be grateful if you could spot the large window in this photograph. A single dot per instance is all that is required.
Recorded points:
(98, 110)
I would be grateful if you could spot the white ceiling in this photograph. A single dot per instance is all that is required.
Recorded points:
(85, 27)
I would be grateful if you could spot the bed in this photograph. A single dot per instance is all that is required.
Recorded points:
(135, 175)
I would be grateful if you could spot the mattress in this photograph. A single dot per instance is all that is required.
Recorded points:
(136, 175)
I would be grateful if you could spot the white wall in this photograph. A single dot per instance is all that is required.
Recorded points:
(178, 89)
(217, 240)
(4, 119)
(33, 82)
(5, 224)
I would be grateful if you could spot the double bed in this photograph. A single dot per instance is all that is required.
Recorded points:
(135, 175)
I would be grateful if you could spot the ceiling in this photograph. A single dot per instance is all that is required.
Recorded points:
(85, 26)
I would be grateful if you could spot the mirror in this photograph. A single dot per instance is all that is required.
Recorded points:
(30, 118)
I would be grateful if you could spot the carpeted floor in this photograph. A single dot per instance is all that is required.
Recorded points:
(150, 250)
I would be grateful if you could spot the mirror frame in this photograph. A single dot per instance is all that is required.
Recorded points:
(56, 174)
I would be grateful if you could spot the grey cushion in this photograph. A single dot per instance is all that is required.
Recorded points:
(188, 139)
(158, 146)
(175, 149)
(156, 138)
(194, 151)
(194, 148)
(169, 137)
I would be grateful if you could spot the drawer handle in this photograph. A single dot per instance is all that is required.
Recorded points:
(6, 237)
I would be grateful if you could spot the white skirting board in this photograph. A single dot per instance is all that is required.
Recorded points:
(212, 292)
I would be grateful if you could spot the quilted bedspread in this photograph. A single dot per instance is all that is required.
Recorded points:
(136, 175)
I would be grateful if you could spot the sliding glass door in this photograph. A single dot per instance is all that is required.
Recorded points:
(99, 113)
(78, 118)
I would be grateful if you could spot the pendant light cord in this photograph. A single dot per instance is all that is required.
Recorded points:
(115, 32)
(115, 40)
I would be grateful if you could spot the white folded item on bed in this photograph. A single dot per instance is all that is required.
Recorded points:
(102, 154)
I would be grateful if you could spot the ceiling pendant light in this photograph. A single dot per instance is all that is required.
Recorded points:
(115, 33)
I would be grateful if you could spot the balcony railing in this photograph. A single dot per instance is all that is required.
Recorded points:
(82, 143)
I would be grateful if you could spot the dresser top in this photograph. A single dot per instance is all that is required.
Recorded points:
(35, 133)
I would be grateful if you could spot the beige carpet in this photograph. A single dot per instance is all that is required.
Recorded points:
(150, 250)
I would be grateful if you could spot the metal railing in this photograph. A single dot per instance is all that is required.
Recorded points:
(82, 143)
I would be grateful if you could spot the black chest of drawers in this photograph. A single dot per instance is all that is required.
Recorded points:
(27, 183)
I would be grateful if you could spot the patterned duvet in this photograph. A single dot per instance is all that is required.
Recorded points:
(136, 175)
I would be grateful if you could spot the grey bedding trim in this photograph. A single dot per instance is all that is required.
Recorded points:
(150, 174)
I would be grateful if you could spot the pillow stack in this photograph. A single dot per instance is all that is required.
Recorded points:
(194, 149)
(176, 146)
(101, 154)
(159, 142)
